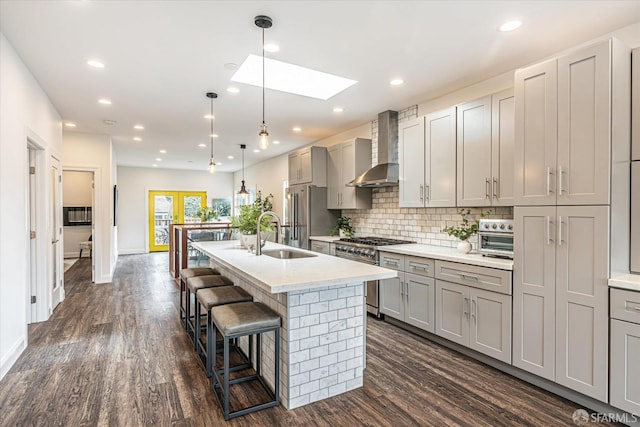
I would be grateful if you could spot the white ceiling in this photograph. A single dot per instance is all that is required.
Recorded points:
(163, 56)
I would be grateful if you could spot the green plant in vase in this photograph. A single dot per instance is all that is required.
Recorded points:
(208, 213)
(466, 229)
(247, 220)
(343, 227)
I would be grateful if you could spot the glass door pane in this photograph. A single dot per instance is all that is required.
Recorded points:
(163, 211)
(191, 203)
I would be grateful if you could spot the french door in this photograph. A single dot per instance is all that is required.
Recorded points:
(169, 207)
(57, 288)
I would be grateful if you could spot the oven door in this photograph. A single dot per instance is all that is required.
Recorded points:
(496, 244)
(371, 294)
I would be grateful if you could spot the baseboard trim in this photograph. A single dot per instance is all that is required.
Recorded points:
(12, 355)
(578, 398)
(132, 251)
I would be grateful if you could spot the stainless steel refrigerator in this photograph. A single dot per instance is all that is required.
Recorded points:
(308, 214)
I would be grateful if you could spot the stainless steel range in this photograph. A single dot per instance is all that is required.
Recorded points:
(365, 249)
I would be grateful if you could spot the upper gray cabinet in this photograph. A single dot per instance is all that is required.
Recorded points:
(485, 143)
(347, 161)
(308, 166)
(427, 156)
(567, 128)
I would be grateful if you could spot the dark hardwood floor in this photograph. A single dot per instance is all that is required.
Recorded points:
(115, 354)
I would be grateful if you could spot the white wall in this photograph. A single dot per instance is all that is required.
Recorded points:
(84, 151)
(134, 185)
(25, 112)
(76, 191)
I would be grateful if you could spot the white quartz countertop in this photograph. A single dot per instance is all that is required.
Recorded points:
(626, 281)
(286, 275)
(328, 239)
(449, 254)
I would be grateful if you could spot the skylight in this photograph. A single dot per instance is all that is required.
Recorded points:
(290, 78)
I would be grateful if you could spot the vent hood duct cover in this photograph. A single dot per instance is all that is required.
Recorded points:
(385, 173)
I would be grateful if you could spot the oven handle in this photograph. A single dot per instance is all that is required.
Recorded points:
(495, 234)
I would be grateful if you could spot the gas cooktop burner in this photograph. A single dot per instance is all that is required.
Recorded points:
(374, 241)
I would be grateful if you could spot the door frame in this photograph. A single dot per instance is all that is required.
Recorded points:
(37, 271)
(179, 208)
(56, 266)
(96, 215)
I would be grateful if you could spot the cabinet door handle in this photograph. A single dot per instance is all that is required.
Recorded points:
(421, 192)
(486, 188)
(465, 307)
(391, 261)
(473, 309)
(427, 191)
(401, 289)
(418, 267)
(549, 173)
(636, 308)
(560, 173)
(495, 188)
(560, 231)
(407, 291)
(549, 239)
(468, 276)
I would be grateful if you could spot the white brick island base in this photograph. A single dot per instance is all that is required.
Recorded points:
(322, 340)
(321, 301)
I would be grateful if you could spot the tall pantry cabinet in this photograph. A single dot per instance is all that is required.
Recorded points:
(571, 216)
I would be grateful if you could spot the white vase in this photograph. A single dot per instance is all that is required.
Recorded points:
(342, 234)
(464, 247)
(248, 239)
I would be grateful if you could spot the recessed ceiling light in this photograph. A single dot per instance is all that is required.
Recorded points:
(276, 142)
(202, 145)
(214, 135)
(95, 63)
(163, 151)
(154, 165)
(218, 163)
(138, 127)
(70, 125)
(510, 26)
(290, 78)
(338, 110)
(233, 89)
(256, 151)
(230, 157)
(209, 117)
(396, 82)
(158, 159)
(137, 138)
(296, 129)
(104, 101)
(271, 47)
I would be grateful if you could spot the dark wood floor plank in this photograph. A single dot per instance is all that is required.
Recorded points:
(115, 354)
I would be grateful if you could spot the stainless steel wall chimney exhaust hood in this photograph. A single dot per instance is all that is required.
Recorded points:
(386, 172)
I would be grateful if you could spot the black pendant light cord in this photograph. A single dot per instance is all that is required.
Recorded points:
(263, 76)
(211, 128)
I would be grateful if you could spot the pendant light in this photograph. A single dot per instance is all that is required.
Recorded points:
(263, 22)
(212, 163)
(243, 190)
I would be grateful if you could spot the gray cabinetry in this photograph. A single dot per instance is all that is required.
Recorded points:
(470, 315)
(561, 265)
(427, 153)
(625, 350)
(308, 165)
(502, 144)
(410, 296)
(635, 105)
(346, 161)
(322, 247)
(568, 129)
(474, 153)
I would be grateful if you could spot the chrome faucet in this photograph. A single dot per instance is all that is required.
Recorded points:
(259, 242)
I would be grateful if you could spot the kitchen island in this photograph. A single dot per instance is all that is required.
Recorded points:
(322, 304)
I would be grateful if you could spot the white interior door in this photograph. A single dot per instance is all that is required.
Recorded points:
(33, 248)
(55, 231)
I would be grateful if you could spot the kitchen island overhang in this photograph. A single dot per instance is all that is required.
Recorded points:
(322, 304)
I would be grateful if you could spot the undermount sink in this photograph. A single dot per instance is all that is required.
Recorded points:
(286, 254)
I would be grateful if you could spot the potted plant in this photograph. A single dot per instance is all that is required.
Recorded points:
(247, 220)
(343, 227)
(465, 230)
(208, 213)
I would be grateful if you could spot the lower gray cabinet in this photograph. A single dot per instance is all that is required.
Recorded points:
(409, 297)
(475, 318)
(625, 350)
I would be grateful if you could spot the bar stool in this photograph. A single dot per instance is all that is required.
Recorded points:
(209, 298)
(235, 321)
(194, 284)
(187, 273)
